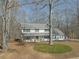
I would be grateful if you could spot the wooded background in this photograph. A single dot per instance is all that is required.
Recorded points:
(67, 19)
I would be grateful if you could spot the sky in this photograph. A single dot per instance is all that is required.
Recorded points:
(24, 10)
(29, 12)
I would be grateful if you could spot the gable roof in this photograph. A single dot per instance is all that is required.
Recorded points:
(57, 31)
(33, 26)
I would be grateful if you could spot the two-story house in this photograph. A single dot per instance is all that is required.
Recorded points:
(39, 32)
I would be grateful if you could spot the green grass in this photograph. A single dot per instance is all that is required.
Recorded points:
(55, 48)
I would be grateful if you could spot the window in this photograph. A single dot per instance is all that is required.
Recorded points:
(46, 30)
(26, 30)
(36, 30)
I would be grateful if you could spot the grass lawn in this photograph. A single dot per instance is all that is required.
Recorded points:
(55, 48)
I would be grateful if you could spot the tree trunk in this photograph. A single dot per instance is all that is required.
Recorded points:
(4, 38)
(50, 24)
(5, 26)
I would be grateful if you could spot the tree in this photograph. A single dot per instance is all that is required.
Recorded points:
(4, 40)
(6, 22)
(50, 23)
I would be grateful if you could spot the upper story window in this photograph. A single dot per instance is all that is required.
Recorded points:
(26, 30)
(46, 30)
(36, 30)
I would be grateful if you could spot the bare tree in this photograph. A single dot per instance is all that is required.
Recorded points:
(6, 22)
(4, 40)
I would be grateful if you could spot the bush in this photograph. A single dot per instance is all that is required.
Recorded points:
(18, 40)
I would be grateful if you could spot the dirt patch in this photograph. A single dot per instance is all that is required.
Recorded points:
(26, 52)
